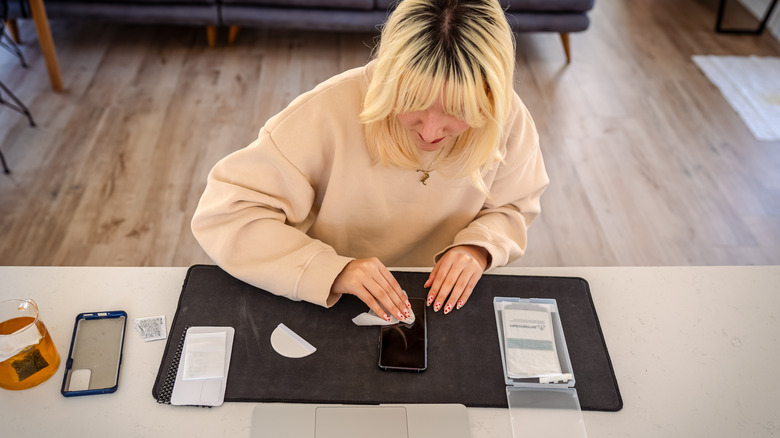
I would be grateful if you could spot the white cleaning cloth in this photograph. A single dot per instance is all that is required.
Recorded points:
(371, 318)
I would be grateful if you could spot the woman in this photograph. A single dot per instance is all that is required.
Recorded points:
(425, 156)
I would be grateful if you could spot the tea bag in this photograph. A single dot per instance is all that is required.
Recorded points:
(12, 345)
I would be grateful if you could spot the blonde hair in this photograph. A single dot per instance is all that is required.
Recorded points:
(460, 50)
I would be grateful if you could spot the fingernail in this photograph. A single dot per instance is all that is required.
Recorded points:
(408, 304)
(460, 304)
(400, 316)
(387, 317)
(436, 307)
(430, 300)
(408, 315)
(447, 309)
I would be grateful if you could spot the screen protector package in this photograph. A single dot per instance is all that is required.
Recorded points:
(529, 342)
(537, 369)
(95, 354)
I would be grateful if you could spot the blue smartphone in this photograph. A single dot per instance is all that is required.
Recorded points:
(95, 354)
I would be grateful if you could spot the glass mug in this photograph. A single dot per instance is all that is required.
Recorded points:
(27, 354)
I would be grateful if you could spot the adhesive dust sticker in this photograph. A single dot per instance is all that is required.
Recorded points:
(289, 344)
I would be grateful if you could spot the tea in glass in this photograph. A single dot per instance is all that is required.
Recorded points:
(28, 356)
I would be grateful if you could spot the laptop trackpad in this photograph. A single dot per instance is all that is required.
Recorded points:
(360, 422)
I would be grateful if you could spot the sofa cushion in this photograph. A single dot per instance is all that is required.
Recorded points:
(309, 19)
(141, 13)
(131, 3)
(363, 5)
(527, 5)
(547, 5)
(548, 22)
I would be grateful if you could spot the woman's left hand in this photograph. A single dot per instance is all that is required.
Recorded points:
(454, 277)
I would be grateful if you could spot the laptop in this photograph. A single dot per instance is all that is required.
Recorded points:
(280, 420)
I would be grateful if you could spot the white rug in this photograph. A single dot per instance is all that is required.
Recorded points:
(751, 85)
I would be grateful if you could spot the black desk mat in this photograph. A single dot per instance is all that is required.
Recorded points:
(464, 362)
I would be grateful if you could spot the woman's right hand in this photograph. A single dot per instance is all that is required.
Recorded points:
(369, 280)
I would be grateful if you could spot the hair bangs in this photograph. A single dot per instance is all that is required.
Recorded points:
(467, 100)
(417, 91)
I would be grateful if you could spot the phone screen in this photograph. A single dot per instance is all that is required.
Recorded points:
(405, 347)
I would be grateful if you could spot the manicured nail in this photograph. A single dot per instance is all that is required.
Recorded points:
(401, 316)
(408, 304)
(460, 304)
(436, 307)
(408, 315)
(447, 309)
(387, 317)
(430, 300)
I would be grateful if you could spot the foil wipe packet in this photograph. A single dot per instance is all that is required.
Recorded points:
(529, 341)
(151, 328)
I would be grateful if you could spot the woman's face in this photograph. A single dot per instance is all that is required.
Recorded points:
(432, 129)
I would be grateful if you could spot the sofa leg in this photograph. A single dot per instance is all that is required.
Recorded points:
(233, 34)
(13, 29)
(566, 46)
(211, 35)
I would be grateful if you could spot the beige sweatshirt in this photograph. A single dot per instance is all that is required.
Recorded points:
(289, 211)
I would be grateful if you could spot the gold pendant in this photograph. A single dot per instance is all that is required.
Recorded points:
(424, 177)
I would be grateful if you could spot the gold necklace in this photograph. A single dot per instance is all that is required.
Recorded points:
(426, 173)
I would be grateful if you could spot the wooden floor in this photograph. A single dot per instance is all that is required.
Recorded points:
(649, 164)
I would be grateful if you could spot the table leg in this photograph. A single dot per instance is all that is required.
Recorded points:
(47, 43)
(758, 31)
(13, 29)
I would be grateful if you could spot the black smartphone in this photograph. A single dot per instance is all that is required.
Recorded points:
(95, 354)
(405, 346)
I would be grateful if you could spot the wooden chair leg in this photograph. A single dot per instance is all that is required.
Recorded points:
(233, 34)
(13, 29)
(6, 170)
(211, 35)
(566, 46)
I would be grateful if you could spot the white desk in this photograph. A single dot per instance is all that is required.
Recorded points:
(695, 352)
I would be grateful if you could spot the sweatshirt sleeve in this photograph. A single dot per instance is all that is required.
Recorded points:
(501, 226)
(252, 218)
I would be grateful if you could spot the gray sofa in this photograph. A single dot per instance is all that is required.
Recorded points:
(364, 15)
(560, 16)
